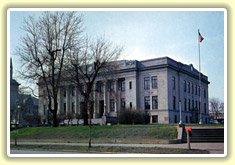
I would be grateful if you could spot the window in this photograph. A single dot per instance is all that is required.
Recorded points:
(147, 102)
(188, 104)
(44, 110)
(192, 88)
(101, 88)
(188, 87)
(146, 83)
(199, 89)
(205, 108)
(64, 107)
(155, 119)
(196, 104)
(130, 85)
(204, 92)
(111, 86)
(174, 103)
(175, 119)
(154, 102)
(195, 89)
(154, 82)
(185, 104)
(173, 79)
(193, 104)
(73, 107)
(123, 103)
(112, 105)
(130, 105)
(73, 91)
(64, 92)
(185, 86)
(123, 85)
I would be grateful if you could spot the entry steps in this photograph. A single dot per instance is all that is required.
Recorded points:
(205, 135)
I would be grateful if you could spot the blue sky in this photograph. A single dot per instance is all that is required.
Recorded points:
(153, 34)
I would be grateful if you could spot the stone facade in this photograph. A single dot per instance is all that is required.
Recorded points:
(157, 86)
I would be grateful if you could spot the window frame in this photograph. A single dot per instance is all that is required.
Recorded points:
(155, 105)
(154, 82)
(146, 82)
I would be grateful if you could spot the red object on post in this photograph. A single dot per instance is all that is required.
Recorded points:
(189, 130)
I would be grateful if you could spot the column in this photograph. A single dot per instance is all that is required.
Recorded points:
(67, 99)
(105, 98)
(76, 100)
(116, 96)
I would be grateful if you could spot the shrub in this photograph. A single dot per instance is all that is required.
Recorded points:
(133, 116)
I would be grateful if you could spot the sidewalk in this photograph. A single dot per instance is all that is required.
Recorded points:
(213, 148)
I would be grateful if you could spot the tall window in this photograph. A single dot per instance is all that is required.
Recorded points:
(111, 105)
(188, 87)
(147, 102)
(174, 103)
(199, 90)
(73, 107)
(154, 82)
(204, 92)
(205, 108)
(185, 104)
(123, 85)
(154, 102)
(111, 86)
(173, 81)
(73, 91)
(189, 108)
(195, 89)
(146, 83)
(64, 107)
(185, 86)
(130, 85)
(193, 104)
(192, 88)
(101, 88)
(64, 92)
(196, 104)
(123, 103)
(44, 109)
(130, 105)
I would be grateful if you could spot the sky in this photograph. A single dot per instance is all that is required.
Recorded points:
(152, 34)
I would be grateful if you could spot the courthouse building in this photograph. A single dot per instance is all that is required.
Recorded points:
(158, 86)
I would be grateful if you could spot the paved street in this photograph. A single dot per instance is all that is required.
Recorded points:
(40, 152)
(214, 148)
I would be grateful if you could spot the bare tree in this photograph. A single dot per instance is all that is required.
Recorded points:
(47, 42)
(95, 59)
(216, 107)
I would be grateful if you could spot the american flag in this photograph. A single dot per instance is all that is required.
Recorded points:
(200, 37)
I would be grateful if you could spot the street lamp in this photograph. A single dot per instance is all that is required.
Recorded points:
(18, 120)
(18, 113)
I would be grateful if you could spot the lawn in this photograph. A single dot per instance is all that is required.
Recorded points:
(100, 134)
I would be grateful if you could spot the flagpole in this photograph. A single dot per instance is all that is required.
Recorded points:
(200, 94)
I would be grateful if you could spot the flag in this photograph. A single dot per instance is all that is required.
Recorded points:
(200, 37)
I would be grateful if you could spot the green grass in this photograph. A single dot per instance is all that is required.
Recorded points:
(109, 134)
(110, 150)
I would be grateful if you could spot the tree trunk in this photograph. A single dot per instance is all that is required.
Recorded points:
(55, 119)
(89, 108)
